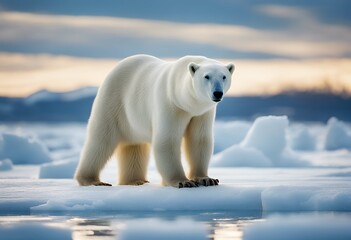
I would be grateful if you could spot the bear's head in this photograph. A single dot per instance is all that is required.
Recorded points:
(211, 80)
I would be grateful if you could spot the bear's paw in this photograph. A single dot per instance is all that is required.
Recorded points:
(187, 184)
(206, 181)
(138, 182)
(101, 184)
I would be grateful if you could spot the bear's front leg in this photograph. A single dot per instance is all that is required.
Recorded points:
(167, 156)
(199, 148)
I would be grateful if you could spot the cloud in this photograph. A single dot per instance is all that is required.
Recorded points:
(285, 12)
(23, 74)
(268, 77)
(305, 26)
(305, 38)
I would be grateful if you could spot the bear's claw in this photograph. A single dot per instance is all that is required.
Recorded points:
(188, 184)
(102, 184)
(139, 182)
(206, 181)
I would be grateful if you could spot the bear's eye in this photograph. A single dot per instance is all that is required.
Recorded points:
(207, 77)
(224, 77)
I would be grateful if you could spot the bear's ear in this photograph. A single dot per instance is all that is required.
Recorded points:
(231, 68)
(192, 68)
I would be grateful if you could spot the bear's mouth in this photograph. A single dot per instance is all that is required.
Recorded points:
(217, 99)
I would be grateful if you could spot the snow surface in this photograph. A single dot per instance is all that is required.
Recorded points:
(301, 227)
(22, 149)
(151, 229)
(297, 198)
(242, 189)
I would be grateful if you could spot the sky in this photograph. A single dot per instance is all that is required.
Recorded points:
(276, 46)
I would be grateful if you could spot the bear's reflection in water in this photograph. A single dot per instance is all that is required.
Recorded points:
(92, 229)
(219, 226)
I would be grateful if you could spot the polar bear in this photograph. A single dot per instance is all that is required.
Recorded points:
(146, 103)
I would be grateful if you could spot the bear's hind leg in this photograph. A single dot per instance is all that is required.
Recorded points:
(132, 163)
(97, 151)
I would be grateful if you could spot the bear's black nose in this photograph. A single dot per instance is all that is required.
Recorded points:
(217, 96)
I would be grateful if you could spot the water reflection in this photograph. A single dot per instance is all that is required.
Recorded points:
(92, 229)
(220, 226)
(224, 229)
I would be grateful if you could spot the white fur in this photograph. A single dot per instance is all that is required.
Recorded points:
(144, 101)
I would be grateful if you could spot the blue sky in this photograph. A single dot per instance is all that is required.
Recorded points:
(302, 44)
(284, 23)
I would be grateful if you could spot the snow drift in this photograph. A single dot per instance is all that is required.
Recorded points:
(59, 169)
(338, 135)
(23, 150)
(303, 140)
(267, 134)
(227, 134)
(264, 145)
(237, 156)
(48, 96)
